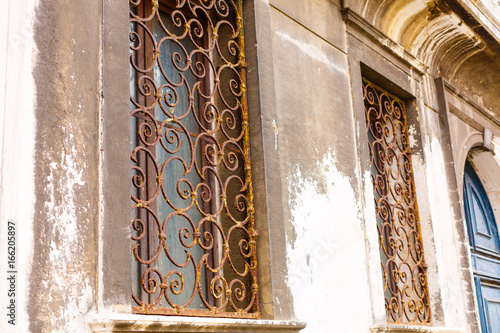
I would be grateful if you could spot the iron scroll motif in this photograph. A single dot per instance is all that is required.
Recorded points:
(402, 256)
(193, 228)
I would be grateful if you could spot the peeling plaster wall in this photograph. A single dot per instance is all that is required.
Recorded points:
(325, 238)
(325, 262)
(66, 285)
(62, 285)
(316, 150)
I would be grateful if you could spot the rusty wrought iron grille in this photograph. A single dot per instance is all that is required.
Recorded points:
(193, 229)
(401, 251)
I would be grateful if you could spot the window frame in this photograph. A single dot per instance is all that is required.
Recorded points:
(151, 295)
(114, 268)
(372, 57)
(385, 193)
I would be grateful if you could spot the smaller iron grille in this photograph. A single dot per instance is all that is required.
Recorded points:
(402, 256)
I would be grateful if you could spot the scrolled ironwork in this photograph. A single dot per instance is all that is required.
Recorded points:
(402, 256)
(193, 229)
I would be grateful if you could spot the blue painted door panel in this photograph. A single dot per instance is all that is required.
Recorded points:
(483, 230)
(491, 296)
(485, 250)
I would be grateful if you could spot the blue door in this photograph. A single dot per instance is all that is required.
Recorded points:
(485, 250)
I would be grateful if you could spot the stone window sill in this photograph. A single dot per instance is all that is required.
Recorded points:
(412, 329)
(127, 323)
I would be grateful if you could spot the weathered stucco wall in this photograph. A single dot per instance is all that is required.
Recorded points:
(442, 242)
(62, 284)
(307, 101)
(317, 145)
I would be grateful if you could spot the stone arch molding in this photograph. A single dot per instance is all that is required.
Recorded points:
(445, 38)
(487, 167)
(470, 143)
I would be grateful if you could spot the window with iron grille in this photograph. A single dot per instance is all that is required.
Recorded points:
(401, 251)
(193, 230)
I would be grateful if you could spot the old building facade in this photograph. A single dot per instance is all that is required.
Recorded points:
(363, 136)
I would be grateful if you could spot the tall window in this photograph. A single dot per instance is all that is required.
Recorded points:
(401, 251)
(485, 250)
(193, 239)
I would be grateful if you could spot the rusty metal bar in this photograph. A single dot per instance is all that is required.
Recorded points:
(194, 234)
(402, 254)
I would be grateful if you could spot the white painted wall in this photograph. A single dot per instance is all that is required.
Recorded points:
(327, 259)
(17, 137)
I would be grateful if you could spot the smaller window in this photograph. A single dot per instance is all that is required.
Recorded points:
(401, 251)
